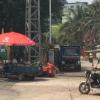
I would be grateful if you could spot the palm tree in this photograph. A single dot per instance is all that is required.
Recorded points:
(83, 27)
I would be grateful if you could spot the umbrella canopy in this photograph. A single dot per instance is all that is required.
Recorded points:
(17, 39)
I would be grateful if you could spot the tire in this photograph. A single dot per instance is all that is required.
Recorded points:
(30, 77)
(78, 68)
(84, 88)
(53, 74)
(21, 77)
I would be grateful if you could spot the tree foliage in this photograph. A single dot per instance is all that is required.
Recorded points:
(56, 10)
(12, 14)
(83, 29)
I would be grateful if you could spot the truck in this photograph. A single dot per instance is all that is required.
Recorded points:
(21, 71)
(70, 58)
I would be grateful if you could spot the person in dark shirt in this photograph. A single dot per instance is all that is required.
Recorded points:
(1, 66)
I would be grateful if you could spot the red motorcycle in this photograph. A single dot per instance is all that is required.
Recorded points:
(49, 69)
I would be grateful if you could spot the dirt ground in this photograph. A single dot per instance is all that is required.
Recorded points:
(63, 87)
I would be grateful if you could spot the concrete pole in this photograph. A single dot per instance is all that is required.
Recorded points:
(39, 33)
(50, 28)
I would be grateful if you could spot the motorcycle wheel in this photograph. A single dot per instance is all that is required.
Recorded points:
(84, 88)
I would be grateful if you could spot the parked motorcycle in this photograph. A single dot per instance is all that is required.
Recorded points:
(92, 81)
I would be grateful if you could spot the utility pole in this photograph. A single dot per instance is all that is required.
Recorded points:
(50, 23)
(39, 32)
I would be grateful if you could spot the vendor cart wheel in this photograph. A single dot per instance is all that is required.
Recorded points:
(30, 77)
(21, 77)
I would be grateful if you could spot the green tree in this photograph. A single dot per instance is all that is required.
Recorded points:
(56, 8)
(84, 27)
(12, 14)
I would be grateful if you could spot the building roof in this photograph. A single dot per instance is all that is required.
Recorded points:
(78, 3)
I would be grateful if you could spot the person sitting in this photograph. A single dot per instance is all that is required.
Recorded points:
(1, 66)
(14, 61)
(90, 57)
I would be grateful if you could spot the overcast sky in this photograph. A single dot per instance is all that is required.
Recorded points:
(89, 1)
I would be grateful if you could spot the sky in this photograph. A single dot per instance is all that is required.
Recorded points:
(89, 1)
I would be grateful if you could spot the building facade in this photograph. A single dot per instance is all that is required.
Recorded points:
(68, 7)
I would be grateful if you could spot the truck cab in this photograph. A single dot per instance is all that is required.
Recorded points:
(70, 58)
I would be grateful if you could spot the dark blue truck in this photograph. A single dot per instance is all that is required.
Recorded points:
(21, 71)
(70, 58)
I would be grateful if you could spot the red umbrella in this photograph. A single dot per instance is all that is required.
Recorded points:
(13, 38)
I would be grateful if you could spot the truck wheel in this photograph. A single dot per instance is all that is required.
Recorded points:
(31, 77)
(21, 77)
(78, 68)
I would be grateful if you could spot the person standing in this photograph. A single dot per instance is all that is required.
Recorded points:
(91, 57)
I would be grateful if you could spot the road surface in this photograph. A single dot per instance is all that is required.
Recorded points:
(63, 87)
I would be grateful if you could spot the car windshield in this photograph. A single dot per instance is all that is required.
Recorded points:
(70, 52)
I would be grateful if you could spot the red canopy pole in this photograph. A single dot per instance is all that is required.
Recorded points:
(10, 53)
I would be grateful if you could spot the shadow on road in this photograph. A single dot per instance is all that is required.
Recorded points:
(97, 94)
(71, 74)
(41, 79)
(37, 79)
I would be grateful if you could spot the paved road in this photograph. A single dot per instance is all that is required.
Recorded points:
(63, 87)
